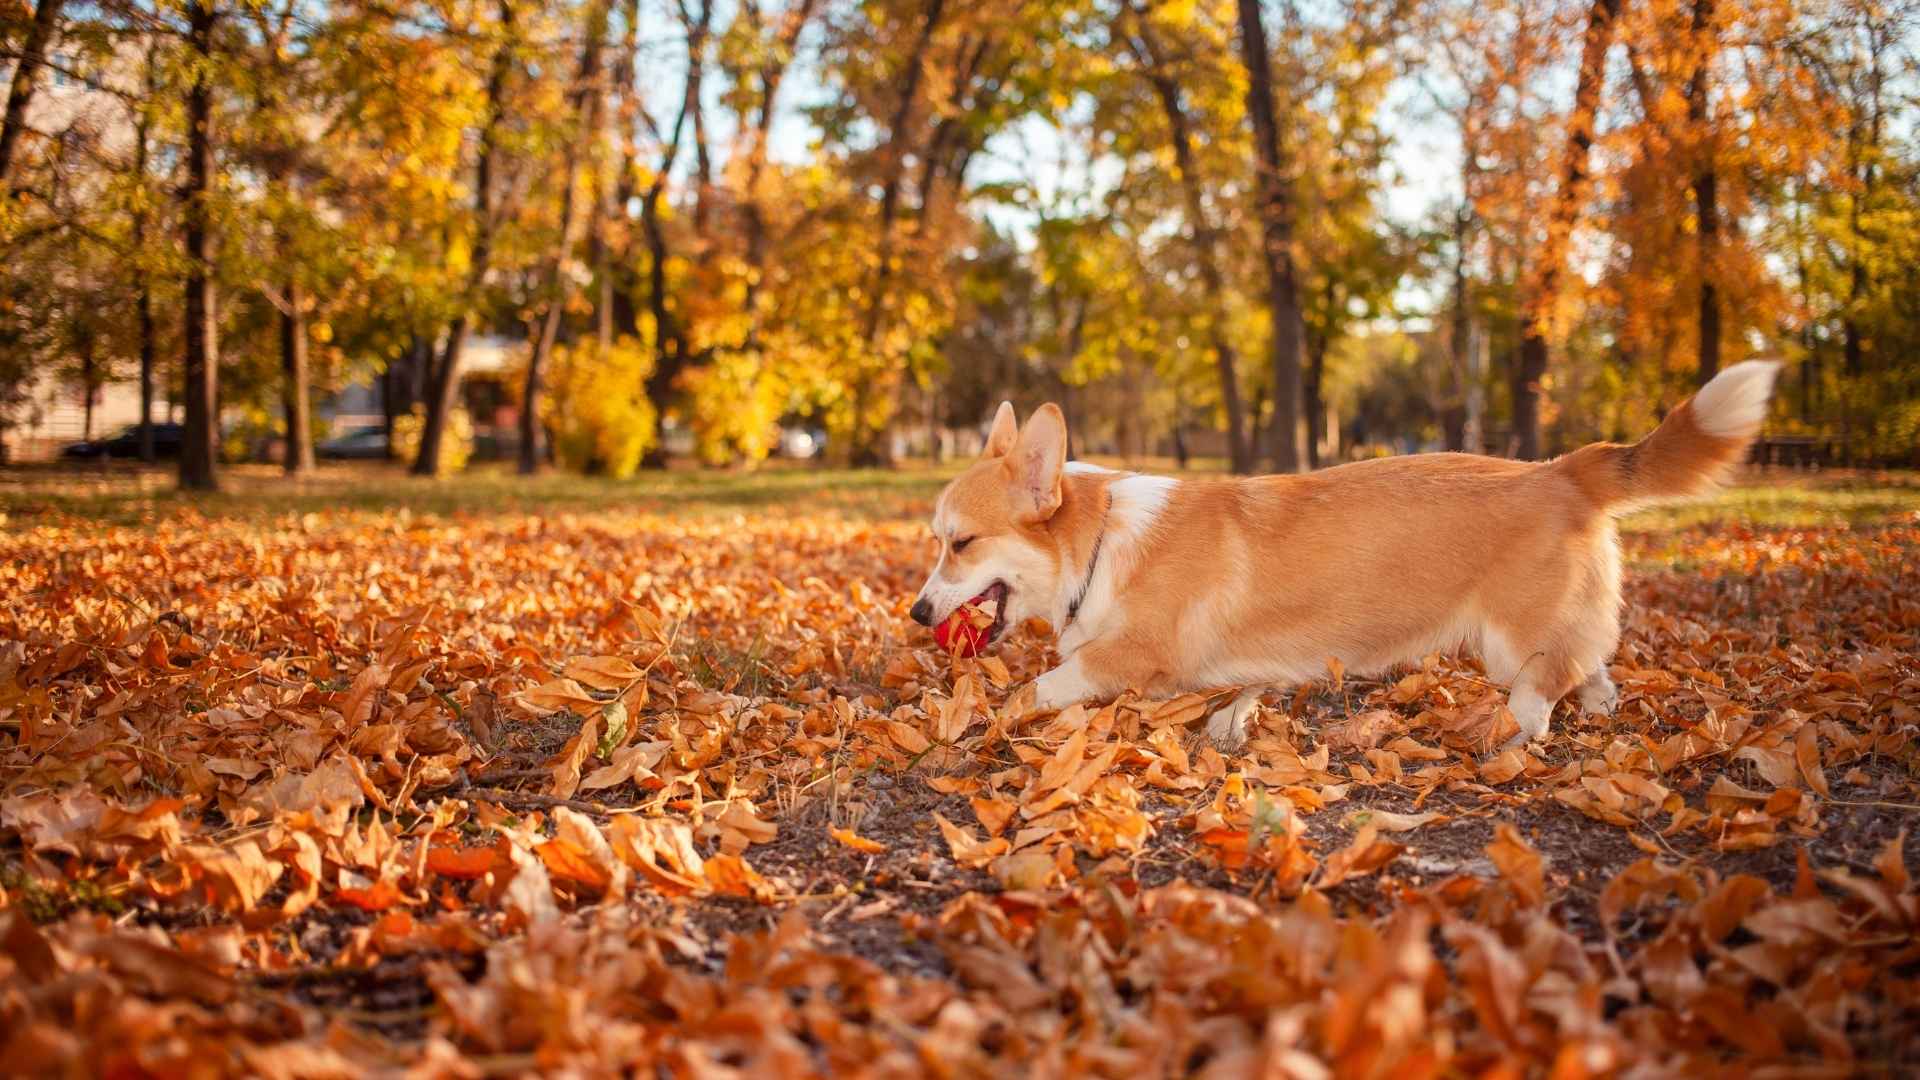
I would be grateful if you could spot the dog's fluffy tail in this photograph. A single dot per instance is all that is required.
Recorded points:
(1691, 449)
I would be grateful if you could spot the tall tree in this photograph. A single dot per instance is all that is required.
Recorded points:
(443, 382)
(1202, 235)
(200, 453)
(582, 99)
(672, 352)
(900, 140)
(26, 78)
(284, 149)
(1276, 248)
(1562, 217)
(143, 279)
(1704, 42)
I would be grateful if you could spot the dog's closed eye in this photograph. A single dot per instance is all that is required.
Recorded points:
(960, 543)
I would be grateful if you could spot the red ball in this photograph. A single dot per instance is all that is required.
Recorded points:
(965, 631)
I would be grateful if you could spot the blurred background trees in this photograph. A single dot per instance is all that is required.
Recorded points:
(1278, 234)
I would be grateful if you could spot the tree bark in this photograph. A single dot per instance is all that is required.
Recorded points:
(1312, 384)
(1276, 228)
(753, 214)
(143, 314)
(143, 289)
(26, 78)
(443, 382)
(872, 446)
(1201, 235)
(585, 97)
(614, 313)
(200, 453)
(1705, 188)
(899, 134)
(1453, 418)
(294, 393)
(1563, 216)
(669, 344)
(89, 385)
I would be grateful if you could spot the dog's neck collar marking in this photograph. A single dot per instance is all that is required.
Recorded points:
(1093, 563)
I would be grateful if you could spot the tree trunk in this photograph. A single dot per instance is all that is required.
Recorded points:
(669, 345)
(753, 215)
(1276, 228)
(618, 316)
(294, 393)
(899, 136)
(143, 312)
(143, 292)
(26, 78)
(1453, 416)
(89, 380)
(1705, 188)
(585, 95)
(443, 383)
(1563, 216)
(1201, 235)
(200, 453)
(1314, 382)
(872, 446)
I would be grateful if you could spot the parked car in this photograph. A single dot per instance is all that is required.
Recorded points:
(167, 441)
(355, 444)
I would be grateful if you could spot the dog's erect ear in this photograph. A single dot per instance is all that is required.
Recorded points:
(1039, 454)
(1005, 430)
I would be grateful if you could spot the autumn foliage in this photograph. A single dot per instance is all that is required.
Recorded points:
(330, 793)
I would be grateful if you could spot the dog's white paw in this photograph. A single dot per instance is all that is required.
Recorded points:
(1227, 727)
(1518, 742)
(1599, 695)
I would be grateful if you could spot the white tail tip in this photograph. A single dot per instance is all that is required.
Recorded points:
(1734, 402)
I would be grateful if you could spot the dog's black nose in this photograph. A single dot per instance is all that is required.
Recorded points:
(922, 612)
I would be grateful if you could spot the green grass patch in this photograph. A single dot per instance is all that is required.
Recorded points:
(129, 495)
(1792, 501)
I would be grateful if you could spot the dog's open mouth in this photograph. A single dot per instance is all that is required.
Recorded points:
(995, 601)
(975, 624)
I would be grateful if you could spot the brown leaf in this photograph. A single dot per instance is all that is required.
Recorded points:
(1367, 853)
(966, 850)
(601, 673)
(1362, 731)
(994, 814)
(558, 694)
(566, 767)
(1891, 862)
(1504, 766)
(1806, 751)
(1520, 864)
(528, 899)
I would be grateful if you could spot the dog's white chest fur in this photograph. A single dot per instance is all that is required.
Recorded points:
(1136, 507)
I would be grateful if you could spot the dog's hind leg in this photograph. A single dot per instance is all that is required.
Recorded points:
(1227, 727)
(1540, 676)
(1598, 694)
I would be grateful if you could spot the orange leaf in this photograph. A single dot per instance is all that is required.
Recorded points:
(857, 842)
(1519, 863)
(463, 863)
(379, 896)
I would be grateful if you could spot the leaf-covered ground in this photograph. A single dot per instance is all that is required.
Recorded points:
(479, 779)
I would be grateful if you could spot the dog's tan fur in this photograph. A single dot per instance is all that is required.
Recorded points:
(1256, 581)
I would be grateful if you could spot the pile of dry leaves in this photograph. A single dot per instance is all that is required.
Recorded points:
(332, 794)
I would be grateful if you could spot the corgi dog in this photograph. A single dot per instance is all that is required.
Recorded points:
(1165, 585)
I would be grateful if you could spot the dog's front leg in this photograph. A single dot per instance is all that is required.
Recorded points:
(1065, 685)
